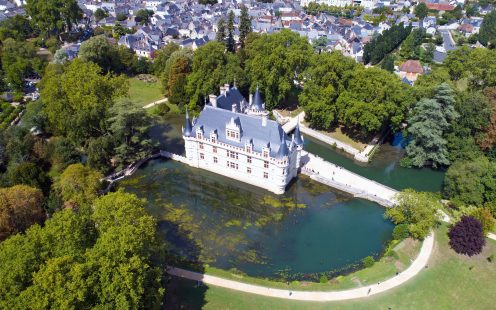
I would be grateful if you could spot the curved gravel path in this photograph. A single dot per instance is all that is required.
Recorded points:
(419, 264)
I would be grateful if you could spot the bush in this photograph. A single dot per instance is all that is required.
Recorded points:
(401, 232)
(466, 236)
(484, 216)
(323, 279)
(491, 258)
(368, 261)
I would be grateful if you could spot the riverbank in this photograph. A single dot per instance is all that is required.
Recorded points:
(416, 267)
(453, 281)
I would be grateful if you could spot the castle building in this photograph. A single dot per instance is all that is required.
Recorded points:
(235, 138)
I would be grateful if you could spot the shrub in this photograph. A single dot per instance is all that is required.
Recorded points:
(368, 261)
(484, 216)
(490, 258)
(401, 232)
(466, 236)
(323, 279)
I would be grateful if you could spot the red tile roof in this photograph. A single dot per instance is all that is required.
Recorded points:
(412, 66)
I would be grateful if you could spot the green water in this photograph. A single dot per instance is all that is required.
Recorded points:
(227, 224)
(309, 230)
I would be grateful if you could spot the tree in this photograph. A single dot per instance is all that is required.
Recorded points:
(79, 184)
(162, 56)
(383, 44)
(110, 256)
(20, 207)
(30, 174)
(53, 16)
(466, 236)
(220, 36)
(244, 25)
(100, 14)
(484, 216)
(143, 16)
(430, 121)
(100, 151)
(371, 99)
(60, 57)
(230, 42)
(109, 57)
(121, 17)
(410, 48)
(487, 32)
(16, 27)
(415, 209)
(275, 62)
(471, 182)
(421, 10)
(176, 72)
(319, 44)
(388, 63)
(77, 99)
(212, 67)
(129, 125)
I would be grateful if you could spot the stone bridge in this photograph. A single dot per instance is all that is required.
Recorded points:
(335, 176)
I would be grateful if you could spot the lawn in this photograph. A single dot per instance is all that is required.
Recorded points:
(143, 93)
(451, 281)
(338, 134)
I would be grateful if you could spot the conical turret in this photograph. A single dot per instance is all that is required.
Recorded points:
(187, 126)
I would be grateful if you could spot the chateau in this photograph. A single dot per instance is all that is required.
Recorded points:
(236, 138)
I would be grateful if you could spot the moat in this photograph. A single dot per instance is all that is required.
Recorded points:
(309, 230)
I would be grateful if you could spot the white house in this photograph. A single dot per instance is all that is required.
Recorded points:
(236, 139)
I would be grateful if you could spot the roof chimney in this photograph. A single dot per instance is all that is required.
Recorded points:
(213, 100)
(264, 120)
(251, 99)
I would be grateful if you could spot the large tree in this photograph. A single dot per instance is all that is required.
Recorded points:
(129, 125)
(471, 182)
(79, 184)
(20, 207)
(487, 32)
(230, 42)
(212, 67)
(324, 82)
(421, 10)
(244, 25)
(53, 16)
(429, 123)
(415, 209)
(162, 56)
(175, 74)
(275, 62)
(77, 99)
(109, 257)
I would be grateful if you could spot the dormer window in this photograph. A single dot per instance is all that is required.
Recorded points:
(248, 147)
(199, 133)
(265, 152)
(213, 137)
(233, 130)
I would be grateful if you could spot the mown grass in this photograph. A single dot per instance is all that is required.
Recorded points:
(143, 93)
(451, 281)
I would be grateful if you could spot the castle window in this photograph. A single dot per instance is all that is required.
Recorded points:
(214, 149)
(265, 153)
(215, 160)
(202, 156)
(266, 175)
(248, 170)
(201, 146)
(199, 135)
(248, 159)
(266, 164)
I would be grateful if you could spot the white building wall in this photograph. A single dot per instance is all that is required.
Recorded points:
(279, 173)
(340, 3)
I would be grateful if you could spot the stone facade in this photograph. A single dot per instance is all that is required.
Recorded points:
(242, 143)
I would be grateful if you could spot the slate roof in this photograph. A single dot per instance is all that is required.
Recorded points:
(233, 96)
(272, 134)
